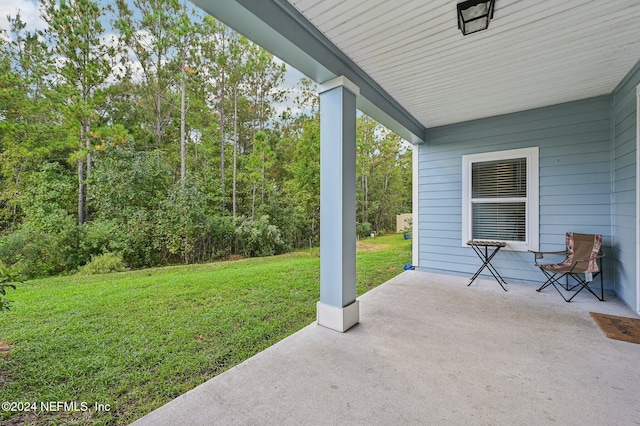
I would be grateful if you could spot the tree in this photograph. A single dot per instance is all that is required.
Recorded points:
(83, 66)
(149, 37)
(218, 63)
(237, 68)
(264, 80)
(28, 131)
(366, 147)
(304, 184)
(186, 41)
(384, 175)
(204, 118)
(260, 159)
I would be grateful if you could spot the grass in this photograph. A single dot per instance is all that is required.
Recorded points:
(135, 340)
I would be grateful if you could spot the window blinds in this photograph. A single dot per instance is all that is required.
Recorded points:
(499, 197)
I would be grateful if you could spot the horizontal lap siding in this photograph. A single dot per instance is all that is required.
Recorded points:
(575, 182)
(624, 187)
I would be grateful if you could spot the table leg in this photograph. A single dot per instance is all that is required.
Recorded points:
(486, 263)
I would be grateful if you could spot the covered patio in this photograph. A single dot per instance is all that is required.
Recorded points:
(559, 80)
(552, 86)
(430, 350)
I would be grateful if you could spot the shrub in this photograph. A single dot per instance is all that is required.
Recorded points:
(138, 240)
(132, 237)
(35, 253)
(102, 236)
(219, 238)
(364, 229)
(32, 253)
(259, 238)
(180, 221)
(104, 264)
(48, 199)
(124, 181)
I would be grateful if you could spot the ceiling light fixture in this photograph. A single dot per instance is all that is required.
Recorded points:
(474, 15)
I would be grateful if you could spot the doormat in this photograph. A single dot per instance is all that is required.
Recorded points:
(619, 328)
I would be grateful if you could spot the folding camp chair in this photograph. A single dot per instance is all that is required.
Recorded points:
(582, 264)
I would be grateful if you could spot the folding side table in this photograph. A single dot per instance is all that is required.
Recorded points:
(486, 257)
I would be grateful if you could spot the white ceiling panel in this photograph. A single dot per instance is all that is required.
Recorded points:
(534, 54)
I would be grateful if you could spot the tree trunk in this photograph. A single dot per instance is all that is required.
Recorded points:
(82, 197)
(223, 139)
(87, 130)
(235, 147)
(253, 202)
(366, 198)
(364, 202)
(158, 117)
(81, 192)
(183, 119)
(263, 173)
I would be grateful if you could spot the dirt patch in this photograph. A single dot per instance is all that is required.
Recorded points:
(368, 247)
(235, 257)
(5, 349)
(21, 419)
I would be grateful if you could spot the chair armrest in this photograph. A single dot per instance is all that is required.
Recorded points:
(540, 254)
(599, 256)
(578, 261)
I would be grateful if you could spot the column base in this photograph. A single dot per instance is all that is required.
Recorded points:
(338, 319)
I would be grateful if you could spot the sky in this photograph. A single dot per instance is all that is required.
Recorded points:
(28, 11)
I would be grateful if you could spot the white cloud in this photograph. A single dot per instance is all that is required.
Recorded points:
(28, 13)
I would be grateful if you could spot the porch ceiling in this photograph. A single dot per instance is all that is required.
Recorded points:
(414, 68)
(534, 54)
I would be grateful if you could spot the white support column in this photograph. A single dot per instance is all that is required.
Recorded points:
(338, 308)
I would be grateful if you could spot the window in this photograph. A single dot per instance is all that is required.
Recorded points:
(500, 198)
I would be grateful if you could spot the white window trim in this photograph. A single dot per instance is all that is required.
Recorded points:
(533, 199)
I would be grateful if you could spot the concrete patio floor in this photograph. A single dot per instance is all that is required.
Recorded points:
(430, 350)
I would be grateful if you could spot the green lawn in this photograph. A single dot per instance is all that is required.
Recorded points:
(136, 340)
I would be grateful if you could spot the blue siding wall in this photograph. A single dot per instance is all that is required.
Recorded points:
(575, 183)
(624, 186)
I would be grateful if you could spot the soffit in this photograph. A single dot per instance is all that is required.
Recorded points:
(534, 54)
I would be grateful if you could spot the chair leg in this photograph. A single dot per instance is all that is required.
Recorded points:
(584, 284)
(547, 283)
(601, 298)
(555, 282)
